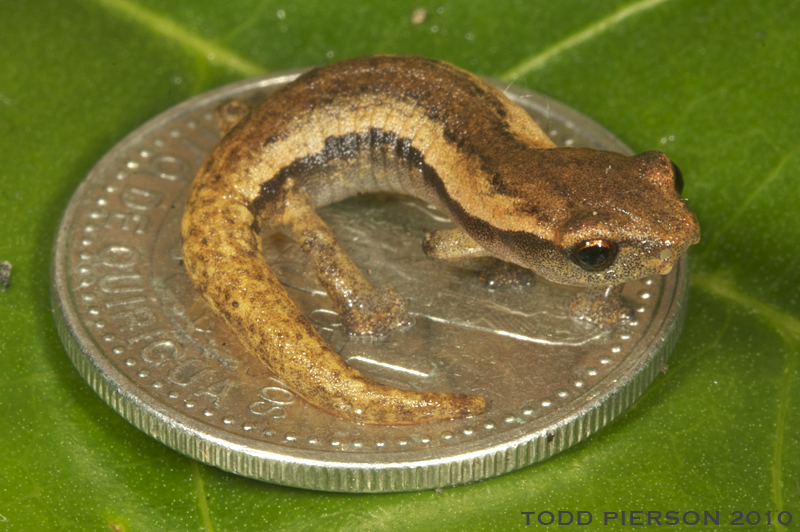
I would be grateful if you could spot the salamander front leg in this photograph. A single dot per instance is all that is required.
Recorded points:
(602, 305)
(452, 245)
(363, 309)
(456, 246)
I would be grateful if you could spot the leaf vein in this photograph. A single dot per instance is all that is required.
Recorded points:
(251, 20)
(202, 500)
(170, 29)
(720, 285)
(776, 172)
(592, 30)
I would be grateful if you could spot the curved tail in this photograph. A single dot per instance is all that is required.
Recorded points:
(222, 254)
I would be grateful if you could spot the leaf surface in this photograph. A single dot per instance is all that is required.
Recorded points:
(714, 84)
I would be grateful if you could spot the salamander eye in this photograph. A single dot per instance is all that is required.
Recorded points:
(678, 178)
(594, 255)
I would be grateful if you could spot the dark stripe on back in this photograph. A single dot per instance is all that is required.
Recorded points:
(348, 147)
(341, 148)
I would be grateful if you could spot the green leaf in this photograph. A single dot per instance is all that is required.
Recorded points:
(714, 84)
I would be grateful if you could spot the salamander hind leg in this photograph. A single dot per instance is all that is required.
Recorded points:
(363, 309)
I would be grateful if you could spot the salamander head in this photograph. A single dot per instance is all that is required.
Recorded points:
(588, 217)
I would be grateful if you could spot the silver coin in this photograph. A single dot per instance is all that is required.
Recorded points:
(143, 339)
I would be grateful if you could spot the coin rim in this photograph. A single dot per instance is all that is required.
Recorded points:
(304, 468)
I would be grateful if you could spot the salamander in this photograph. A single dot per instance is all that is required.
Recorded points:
(427, 128)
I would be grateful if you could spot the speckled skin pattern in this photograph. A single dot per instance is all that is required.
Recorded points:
(429, 129)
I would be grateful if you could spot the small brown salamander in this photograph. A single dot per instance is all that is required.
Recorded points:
(427, 128)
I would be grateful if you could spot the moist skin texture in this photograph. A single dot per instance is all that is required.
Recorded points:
(426, 128)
